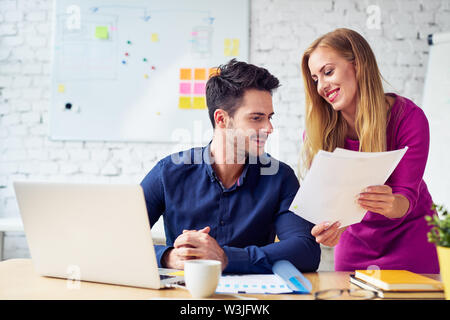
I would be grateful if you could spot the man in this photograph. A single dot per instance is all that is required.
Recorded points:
(228, 200)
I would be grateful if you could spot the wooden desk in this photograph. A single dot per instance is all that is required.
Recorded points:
(18, 280)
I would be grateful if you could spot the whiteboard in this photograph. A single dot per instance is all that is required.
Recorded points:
(436, 105)
(136, 70)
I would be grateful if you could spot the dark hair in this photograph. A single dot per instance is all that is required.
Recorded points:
(225, 88)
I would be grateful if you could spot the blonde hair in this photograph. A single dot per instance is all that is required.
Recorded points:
(326, 128)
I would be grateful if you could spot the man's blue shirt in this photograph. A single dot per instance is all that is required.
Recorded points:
(244, 219)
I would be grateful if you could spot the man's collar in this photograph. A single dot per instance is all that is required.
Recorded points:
(208, 161)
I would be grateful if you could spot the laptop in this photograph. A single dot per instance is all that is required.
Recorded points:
(91, 232)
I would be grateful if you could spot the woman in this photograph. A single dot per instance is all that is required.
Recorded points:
(347, 107)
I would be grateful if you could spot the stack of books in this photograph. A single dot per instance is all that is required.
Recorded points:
(398, 284)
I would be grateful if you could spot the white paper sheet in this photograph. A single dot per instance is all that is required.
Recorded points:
(252, 283)
(329, 190)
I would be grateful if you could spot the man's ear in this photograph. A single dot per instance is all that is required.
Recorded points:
(221, 118)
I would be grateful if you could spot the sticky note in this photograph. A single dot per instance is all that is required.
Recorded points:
(146, 76)
(185, 74)
(199, 88)
(184, 103)
(199, 103)
(227, 47)
(200, 74)
(213, 72)
(101, 32)
(185, 88)
(155, 37)
(176, 273)
(61, 88)
(235, 47)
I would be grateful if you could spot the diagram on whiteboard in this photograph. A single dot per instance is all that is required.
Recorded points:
(137, 70)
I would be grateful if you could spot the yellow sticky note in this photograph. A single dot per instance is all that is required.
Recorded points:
(199, 103)
(61, 88)
(101, 32)
(176, 273)
(227, 47)
(235, 50)
(155, 37)
(185, 74)
(185, 103)
(200, 74)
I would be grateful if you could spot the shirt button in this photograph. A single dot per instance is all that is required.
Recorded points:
(222, 223)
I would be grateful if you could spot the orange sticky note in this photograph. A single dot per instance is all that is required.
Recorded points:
(186, 74)
(199, 103)
(213, 72)
(185, 103)
(200, 74)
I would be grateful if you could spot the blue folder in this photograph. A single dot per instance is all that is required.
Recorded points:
(295, 280)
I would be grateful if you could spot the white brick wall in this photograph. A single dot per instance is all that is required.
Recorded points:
(280, 31)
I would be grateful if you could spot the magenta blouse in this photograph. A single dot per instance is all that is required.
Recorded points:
(380, 242)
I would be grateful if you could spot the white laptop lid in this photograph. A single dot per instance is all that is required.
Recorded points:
(101, 232)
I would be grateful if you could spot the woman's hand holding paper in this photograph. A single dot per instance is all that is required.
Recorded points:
(327, 233)
(380, 199)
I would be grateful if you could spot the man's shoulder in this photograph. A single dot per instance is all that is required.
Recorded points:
(273, 166)
(182, 158)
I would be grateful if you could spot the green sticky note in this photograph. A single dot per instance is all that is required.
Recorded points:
(101, 32)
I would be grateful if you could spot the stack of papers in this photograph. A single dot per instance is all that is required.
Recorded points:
(329, 190)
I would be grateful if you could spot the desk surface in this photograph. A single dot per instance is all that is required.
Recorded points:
(18, 280)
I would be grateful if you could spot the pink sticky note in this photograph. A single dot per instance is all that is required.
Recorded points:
(185, 88)
(199, 88)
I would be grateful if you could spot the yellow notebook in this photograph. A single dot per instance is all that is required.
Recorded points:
(398, 280)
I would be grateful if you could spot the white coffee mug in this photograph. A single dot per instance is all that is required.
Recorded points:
(202, 277)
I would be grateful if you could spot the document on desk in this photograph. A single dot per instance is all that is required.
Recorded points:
(253, 283)
(286, 278)
(330, 188)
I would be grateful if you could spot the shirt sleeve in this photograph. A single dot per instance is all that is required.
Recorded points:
(154, 198)
(296, 244)
(411, 131)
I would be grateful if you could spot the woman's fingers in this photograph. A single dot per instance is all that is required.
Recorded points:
(323, 233)
(378, 189)
(319, 228)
